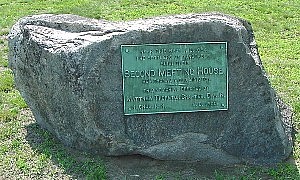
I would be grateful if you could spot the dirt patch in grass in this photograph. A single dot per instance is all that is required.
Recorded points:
(140, 167)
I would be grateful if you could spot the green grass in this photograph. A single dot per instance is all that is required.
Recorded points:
(277, 29)
(28, 151)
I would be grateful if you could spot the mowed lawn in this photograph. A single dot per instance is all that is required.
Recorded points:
(29, 152)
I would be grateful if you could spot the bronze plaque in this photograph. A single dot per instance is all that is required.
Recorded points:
(170, 78)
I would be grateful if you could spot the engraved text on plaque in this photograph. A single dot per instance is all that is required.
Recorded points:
(169, 78)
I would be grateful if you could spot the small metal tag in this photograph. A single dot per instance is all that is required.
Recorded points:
(170, 78)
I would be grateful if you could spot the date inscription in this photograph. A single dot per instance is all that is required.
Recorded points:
(170, 78)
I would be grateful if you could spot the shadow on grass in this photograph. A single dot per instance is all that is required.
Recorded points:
(75, 164)
(85, 166)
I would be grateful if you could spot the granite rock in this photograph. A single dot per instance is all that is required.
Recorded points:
(68, 69)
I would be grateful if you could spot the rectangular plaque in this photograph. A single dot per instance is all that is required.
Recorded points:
(169, 78)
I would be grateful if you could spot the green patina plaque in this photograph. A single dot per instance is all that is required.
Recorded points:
(169, 78)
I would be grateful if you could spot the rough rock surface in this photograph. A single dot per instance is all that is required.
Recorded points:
(68, 69)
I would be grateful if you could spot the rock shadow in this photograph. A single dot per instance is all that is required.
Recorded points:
(72, 163)
(79, 165)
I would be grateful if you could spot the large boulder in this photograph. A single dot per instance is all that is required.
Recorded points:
(69, 71)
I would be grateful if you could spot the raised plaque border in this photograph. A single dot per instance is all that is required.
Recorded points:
(124, 50)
